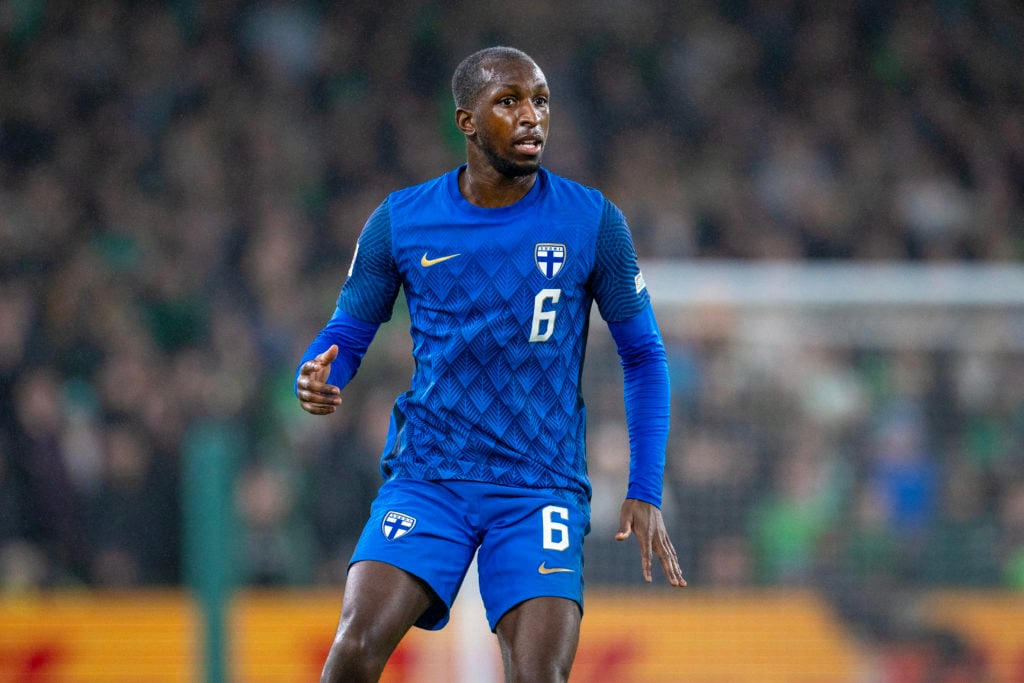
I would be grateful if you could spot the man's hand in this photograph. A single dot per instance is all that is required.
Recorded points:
(646, 522)
(315, 395)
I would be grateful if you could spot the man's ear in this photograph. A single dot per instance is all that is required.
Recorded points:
(464, 120)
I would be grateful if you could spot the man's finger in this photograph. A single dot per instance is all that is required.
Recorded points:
(331, 393)
(625, 529)
(328, 356)
(321, 362)
(311, 367)
(324, 394)
(670, 563)
(646, 561)
(643, 537)
(317, 408)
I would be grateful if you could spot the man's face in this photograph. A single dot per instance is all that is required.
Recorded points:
(511, 117)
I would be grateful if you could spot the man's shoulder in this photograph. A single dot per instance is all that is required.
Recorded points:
(427, 190)
(569, 186)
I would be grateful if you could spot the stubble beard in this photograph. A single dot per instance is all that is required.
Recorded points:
(505, 166)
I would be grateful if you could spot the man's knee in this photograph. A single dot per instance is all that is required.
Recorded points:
(538, 639)
(527, 668)
(354, 658)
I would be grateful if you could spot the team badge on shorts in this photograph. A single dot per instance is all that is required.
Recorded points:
(549, 258)
(396, 525)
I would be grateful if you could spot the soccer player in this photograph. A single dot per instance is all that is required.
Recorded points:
(500, 261)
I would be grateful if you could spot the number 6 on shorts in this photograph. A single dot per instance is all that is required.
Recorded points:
(556, 534)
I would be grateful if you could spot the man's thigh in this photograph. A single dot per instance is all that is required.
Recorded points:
(533, 548)
(420, 527)
(538, 639)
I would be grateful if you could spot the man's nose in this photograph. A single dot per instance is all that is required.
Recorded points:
(528, 113)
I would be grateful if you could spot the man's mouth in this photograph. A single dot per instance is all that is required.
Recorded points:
(530, 145)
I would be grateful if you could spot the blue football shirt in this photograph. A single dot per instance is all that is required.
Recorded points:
(499, 302)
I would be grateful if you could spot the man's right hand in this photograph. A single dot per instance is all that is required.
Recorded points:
(315, 395)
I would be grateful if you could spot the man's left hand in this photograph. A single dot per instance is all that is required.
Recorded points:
(645, 520)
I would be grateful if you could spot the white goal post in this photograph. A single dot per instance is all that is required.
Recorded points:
(886, 305)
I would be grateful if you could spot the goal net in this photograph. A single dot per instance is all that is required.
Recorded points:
(852, 430)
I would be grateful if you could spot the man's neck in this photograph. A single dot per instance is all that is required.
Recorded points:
(483, 186)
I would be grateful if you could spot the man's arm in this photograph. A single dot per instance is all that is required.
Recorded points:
(624, 302)
(647, 398)
(331, 361)
(365, 302)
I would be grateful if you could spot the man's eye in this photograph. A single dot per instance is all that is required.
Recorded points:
(508, 101)
(540, 101)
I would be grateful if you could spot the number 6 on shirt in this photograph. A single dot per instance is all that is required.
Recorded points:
(542, 316)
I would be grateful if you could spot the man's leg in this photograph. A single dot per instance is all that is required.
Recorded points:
(381, 604)
(538, 640)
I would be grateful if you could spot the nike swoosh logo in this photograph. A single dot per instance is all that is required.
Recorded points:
(552, 570)
(427, 262)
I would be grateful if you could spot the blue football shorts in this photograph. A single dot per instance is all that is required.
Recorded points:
(530, 542)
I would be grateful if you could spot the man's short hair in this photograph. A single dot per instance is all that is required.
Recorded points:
(468, 80)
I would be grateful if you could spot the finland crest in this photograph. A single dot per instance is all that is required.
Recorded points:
(549, 258)
(396, 525)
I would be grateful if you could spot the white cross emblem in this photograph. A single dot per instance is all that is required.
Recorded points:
(549, 258)
(396, 525)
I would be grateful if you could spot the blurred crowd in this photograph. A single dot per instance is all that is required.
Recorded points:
(182, 184)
